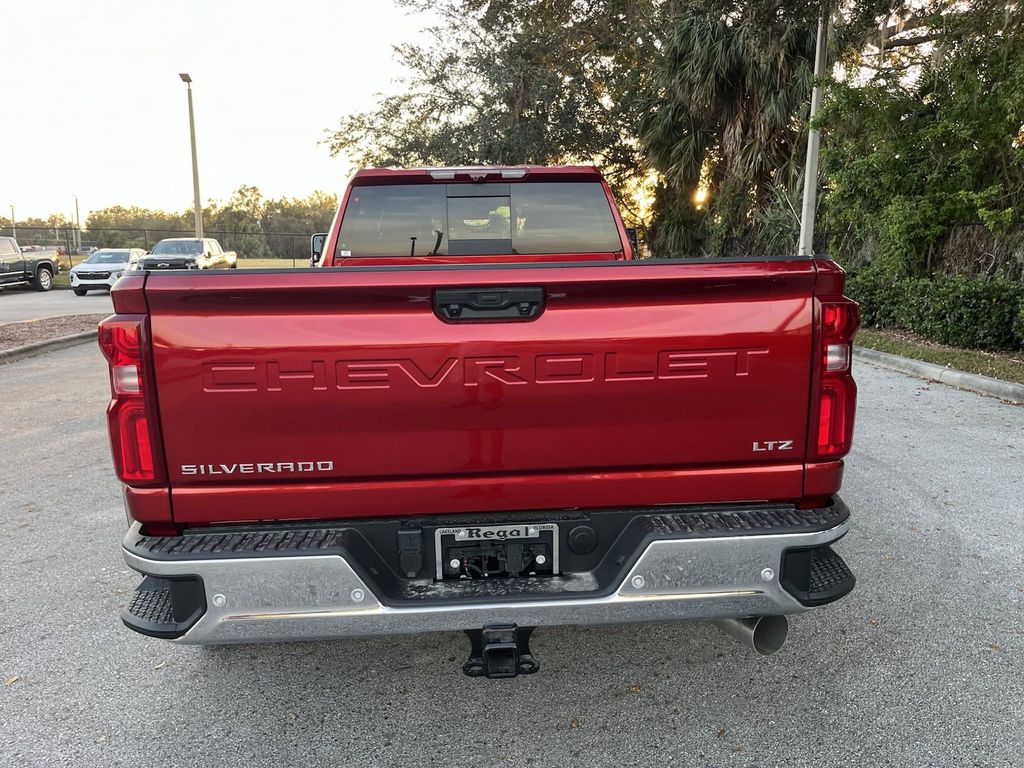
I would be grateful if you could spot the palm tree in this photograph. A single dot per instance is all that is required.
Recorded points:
(732, 84)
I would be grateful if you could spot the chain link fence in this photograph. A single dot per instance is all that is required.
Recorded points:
(966, 249)
(255, 249)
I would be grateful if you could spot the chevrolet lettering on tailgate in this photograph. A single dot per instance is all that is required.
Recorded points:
(273, 376)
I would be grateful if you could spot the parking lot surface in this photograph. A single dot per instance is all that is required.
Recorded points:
(920, 666)
(20, 303)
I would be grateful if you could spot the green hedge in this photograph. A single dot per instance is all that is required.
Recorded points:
(963, 312)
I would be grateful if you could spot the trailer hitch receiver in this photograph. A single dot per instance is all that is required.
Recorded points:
(500, 650)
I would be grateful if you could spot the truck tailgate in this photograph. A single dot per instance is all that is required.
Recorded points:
(334, 393)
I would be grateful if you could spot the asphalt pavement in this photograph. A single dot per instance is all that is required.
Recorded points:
(920, 666)
(19, 303)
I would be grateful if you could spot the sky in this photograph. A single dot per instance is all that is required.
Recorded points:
(91, 103)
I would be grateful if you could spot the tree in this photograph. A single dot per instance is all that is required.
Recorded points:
(932, 137)
(509, 82)
(248, 223)
(637, 86)
(131, 226)
(240, 222)
(294, 215)
(38, 231)
(730, 89)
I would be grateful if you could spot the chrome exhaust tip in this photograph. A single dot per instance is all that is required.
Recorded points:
(764, 634)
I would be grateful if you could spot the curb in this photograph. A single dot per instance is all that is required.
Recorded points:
(41, 347)
(984, 385)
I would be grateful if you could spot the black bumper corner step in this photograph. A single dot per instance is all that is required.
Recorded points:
(165, 608)
(816, 576)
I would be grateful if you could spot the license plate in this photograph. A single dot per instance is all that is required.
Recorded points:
(495, 534)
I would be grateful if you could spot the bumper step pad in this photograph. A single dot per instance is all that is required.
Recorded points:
(311, 539)
(151, 602)
(816, 576)
(829, 573)
(165, 607)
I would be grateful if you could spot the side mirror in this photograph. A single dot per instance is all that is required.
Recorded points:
(316, 248)
(634, 241)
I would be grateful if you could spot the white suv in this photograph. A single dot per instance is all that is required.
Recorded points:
(103, 268)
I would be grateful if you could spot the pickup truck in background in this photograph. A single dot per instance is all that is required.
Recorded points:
(481, 413)
(188, 253)
(35, 267)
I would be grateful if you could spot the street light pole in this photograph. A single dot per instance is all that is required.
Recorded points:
(807, 211)
(195, 162)
(78, 227)
(14, 225)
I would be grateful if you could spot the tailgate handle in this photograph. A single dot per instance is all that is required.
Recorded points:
(467, 305)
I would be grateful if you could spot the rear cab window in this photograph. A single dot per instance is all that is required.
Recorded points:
(477, 219)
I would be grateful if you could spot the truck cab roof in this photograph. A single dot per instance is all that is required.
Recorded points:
(474, 173)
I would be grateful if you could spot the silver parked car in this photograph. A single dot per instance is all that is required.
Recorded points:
(102, 269)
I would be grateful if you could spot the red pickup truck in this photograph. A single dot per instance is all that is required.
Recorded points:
(481, 412)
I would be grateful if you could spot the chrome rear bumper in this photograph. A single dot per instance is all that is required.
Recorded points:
(274, 598)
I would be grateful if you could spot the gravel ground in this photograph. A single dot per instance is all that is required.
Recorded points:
(16, 334)
(920, 666)
(19, 303)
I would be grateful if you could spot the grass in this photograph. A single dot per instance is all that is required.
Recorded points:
(271, 263)
(1008, 366)
(63, 281)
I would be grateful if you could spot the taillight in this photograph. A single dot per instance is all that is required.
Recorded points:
(836, 401)
(131, 430)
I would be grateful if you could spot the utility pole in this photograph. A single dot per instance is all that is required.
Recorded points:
(185, 78)
(807, 211)
(78, 227)
(14, 225)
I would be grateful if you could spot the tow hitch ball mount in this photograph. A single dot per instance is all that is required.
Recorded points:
(500, 650)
